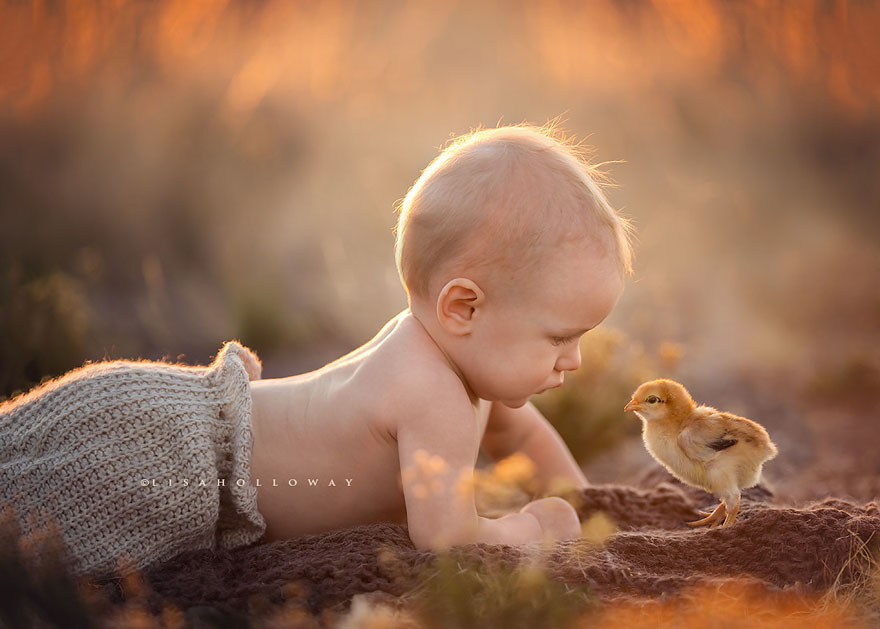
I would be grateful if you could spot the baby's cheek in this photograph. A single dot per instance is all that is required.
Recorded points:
(530, 369)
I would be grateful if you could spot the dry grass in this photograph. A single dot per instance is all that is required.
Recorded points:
(856, 588)
(725, 604)
(456, 593)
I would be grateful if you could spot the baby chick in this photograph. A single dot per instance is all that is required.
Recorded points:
(702, 446)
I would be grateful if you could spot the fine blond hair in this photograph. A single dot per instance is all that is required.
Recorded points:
(495, 200)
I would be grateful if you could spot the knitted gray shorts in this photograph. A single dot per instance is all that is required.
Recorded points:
(135, 459)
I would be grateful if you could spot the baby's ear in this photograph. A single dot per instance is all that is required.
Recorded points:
(457, 305)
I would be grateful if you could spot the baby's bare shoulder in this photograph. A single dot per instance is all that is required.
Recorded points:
(426, 381)
(412, 384)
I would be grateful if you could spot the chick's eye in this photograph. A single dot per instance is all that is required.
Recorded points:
(652, 399)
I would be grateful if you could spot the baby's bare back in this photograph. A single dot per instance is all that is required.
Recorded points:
(325, 453)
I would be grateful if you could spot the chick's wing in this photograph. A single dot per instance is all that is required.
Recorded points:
(707, 436)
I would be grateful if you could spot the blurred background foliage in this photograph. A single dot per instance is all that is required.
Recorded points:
(177, 173)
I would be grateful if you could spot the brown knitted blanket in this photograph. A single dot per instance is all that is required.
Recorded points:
(652, 553)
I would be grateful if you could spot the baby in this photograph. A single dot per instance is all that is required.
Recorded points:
(509, 253)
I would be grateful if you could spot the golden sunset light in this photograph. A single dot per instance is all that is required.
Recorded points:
(435, 314)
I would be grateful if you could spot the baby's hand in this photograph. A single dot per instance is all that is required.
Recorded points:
(558, 519)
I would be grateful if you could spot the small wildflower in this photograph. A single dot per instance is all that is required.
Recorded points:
(598, 528)
(516, 468)
(464, 486)
(437, 465)
(670, 355)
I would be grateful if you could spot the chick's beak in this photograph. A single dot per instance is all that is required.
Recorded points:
(633, 406)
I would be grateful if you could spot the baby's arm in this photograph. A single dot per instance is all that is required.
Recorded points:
(438, 448)
(526, 430)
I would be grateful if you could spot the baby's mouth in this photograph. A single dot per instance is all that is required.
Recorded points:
(555, 386)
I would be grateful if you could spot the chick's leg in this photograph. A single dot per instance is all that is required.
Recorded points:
(711, 518)
(732, 511)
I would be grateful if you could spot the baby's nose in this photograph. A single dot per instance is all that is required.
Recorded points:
(570, 360)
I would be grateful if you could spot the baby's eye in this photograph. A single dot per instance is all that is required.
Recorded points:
(560, 340)
(652, 399)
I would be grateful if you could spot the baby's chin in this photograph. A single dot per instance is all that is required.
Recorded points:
(516, 403)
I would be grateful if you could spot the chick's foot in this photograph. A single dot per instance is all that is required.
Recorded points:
(711, 519)
(731, 513)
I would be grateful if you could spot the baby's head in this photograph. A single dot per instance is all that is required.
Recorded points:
(495, 202)
(503, 223)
